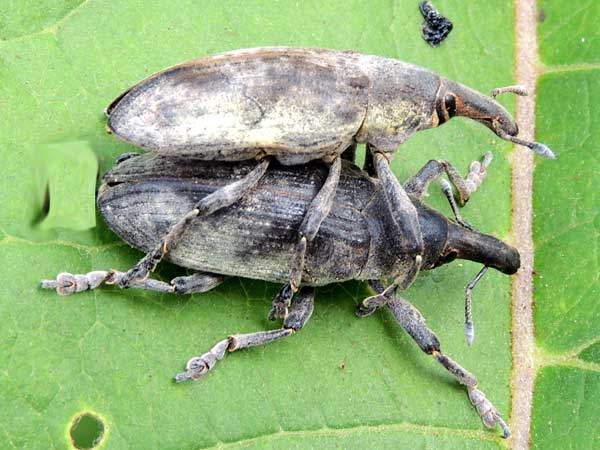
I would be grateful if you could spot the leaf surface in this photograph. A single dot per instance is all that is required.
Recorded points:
(567, 230)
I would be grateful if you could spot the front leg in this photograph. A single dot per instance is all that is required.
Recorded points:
(317, 211)
(405, 216)
(219, 199)
(402, 210)
(465, 187)
(411, 320)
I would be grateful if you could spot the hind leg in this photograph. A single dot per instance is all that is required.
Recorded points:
(317, 212)
(67, 283)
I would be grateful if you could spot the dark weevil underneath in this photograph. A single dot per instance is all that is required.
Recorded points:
(143, 196)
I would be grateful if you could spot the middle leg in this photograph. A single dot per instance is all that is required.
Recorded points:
(300, 312)
(317, 212)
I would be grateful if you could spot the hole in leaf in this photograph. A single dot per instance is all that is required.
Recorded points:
(86, 431)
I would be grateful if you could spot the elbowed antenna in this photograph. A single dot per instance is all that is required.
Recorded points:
(491, 252)
(537, 147)
(469, 327)
(454, 99)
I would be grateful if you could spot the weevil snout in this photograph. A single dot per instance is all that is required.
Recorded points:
(474, 246)
(454, 99)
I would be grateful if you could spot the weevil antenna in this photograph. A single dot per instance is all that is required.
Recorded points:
(469, 327)
(537, 147)
(517, 89)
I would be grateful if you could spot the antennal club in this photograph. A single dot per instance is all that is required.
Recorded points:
(469, 327)
(537, 147)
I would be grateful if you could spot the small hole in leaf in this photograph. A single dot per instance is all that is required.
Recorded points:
(86, 431)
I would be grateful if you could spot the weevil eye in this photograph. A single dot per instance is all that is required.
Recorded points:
(450, 105)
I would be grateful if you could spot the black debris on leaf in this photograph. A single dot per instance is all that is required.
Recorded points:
(436, 27)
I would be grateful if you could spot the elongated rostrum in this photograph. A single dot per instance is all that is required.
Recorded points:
(144, 196)
(297, 105)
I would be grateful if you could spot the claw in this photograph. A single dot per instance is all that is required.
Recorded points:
(184, 376)
(67, 283)
(486, 410)
(199, 366)
(196, 367)
(142, 269)
(135, 273)
(363, 311)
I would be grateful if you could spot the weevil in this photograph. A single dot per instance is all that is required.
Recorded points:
(143, 197)
(297, 105)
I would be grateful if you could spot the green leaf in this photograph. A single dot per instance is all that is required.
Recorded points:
(341, 382)
(22, 17)
(569, 32)
(567, 230)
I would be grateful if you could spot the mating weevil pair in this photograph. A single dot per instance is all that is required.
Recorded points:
(295, 106)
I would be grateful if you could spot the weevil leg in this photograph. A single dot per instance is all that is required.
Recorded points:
(411, 320)
(350, 153)
(219, 199)
(403, 211)
(298, 316)
(447, 191)
(371, 304)
(196, 283)
(67, 283)
(401, 207)
(317, 212)
(405, 215)
(465, 187)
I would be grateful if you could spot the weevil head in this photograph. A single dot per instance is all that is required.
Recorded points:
(454, 99)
